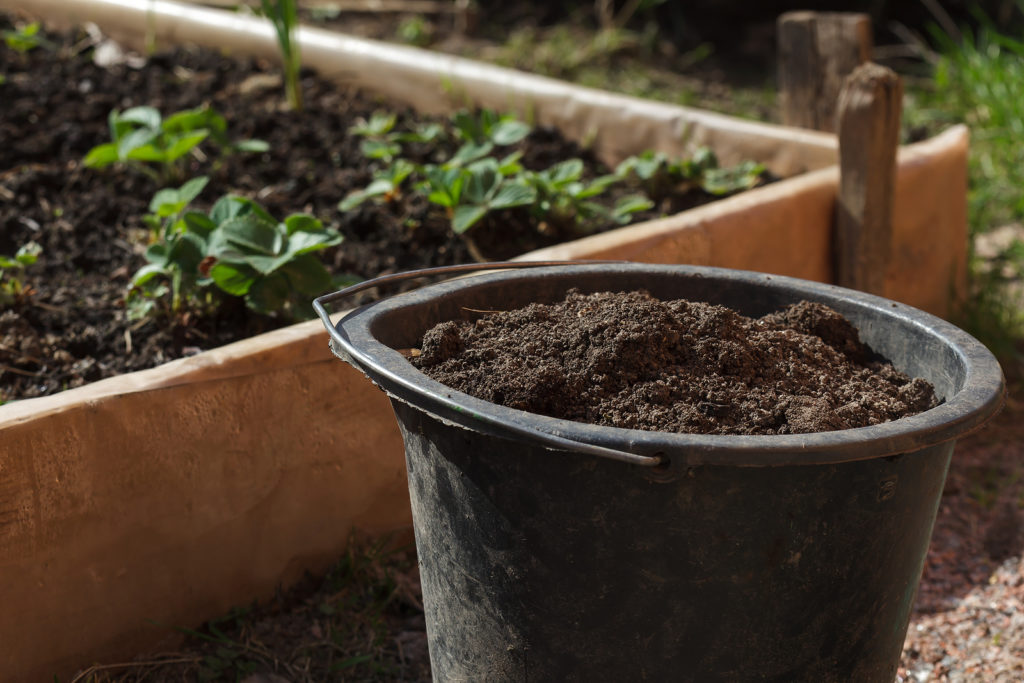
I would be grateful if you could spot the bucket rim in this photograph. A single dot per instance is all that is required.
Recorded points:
(979, 398)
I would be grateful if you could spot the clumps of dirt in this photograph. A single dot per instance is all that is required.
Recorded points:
(631, 360)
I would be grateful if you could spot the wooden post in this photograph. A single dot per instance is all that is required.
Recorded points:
(869, 131)
(816, 52)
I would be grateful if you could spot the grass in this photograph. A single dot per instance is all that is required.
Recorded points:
(339, 627)
(978, 78)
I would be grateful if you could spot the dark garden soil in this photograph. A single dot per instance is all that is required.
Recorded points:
(630, 360)
(68, 326)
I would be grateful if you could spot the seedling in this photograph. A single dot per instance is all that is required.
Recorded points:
(386, 186)
(283, 14)
(142, 139)
(12, 289)
(482, 132)
(238, 249)
(381, 140)
(659, 176)
(25, 39)
(470, 193)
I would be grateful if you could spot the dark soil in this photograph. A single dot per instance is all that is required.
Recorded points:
(68, 325)
(630, 360)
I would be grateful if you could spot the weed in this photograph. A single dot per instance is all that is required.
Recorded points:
(143, 139)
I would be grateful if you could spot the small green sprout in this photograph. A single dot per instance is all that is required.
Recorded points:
(26, 38)
(386, 185)
(482, 132)
(284, 15)
(659, 176)
(12, 290)
(140, 136)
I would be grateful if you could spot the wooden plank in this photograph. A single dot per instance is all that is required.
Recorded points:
(869, 129)
(817, 51)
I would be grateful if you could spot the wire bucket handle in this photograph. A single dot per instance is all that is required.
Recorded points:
(342, 345)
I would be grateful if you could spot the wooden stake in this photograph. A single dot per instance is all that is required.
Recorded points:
(869, 132)
(817, 51)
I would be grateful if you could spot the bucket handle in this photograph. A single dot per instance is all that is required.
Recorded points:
(538, 436)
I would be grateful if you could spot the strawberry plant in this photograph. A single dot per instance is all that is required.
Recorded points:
(236, 250)
(158, 146)
(660, 176)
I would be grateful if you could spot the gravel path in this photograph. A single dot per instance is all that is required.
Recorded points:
(968, 623)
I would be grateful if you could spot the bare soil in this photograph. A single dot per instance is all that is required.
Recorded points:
(630, 360)
(68, 327)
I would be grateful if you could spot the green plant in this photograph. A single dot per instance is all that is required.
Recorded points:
(563, 198)
(977, 77)
(482, 131)
(470, 192)
(659, 176)
(386, 185)
(283, 14)
(140, 136)
(12, 290)
(382, 142)
(25, 39)
(237, 250)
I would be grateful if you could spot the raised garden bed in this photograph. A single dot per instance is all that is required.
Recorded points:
(207, 481)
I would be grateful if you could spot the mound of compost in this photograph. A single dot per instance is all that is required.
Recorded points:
(631, 360)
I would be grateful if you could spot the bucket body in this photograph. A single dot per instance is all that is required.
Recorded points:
(736, 558)
(542, 566)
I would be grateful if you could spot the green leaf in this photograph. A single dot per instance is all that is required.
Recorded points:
(198, 223)
(146, 153)
(307, 275)
(170, 201)
(509, 131)
(513, 194)
(28, 253)
(269, 294)
(352, 200)
(252, 234)
(596, 187)
(101, 156)
(629, 205)
(302, 222)
(380, 149)
(134, 140)
(188, 120)
(510, 165)
(466, 216)
(446, 185)
(566, 171)
(146, 273)
(235, 279)
(379, 187)
(157, 254)
(304, 242)
(186, 252)
(380, 124)
(469, 152)
(226, 207)
(180, 146)
(146, 116)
